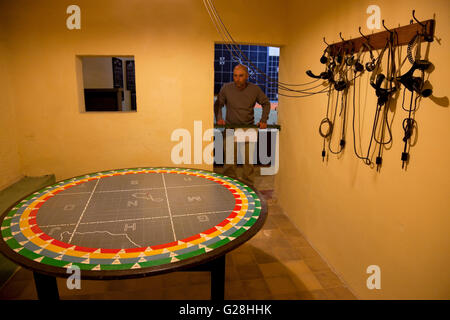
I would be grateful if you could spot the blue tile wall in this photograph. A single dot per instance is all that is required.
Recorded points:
(224, 63)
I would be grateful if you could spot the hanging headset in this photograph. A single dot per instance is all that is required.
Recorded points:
(383, 94)
(412, 83)
(350, 59)
(327, 126)
(370, 66)
(326, 122)
(326, 75)
(358, 66)
(341, 59)
(415, 85)
(342, 83)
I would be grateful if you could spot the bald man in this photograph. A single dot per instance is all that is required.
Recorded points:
(240, 97)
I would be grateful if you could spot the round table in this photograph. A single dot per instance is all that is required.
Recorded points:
(129, 223)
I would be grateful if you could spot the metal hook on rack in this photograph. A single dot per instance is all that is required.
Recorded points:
(427, 37)
(414, 16)
(344, 44)
(367, 39)
(391, 33)
(386, 28)
(396, 36)
(324, 58)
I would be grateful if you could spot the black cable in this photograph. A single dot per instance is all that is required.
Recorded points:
(408, 125)
(388, 83)
(365, 159)
(344, 122)
(403, 100)
(280, 85)
(242, 56)
(379, 158)
(330, 125)
(390, 72)
(375, 120)
(409, 48)
(306, 95)
(326, 119)
(341, 147)
(305, 90)
(303, 84)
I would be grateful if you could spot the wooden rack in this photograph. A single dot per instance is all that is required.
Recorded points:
(378, 40)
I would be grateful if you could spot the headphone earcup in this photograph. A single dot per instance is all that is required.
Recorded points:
(370, 66)
(417, 84)
(340, 85)
(382, 99)
(350, 61)
(326, 75)
(408, 83)
(359, 67)
(422, 64)
(379, 80)
(312, 75)
(426, 93)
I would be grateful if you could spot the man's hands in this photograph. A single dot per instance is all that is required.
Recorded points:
(262, 125)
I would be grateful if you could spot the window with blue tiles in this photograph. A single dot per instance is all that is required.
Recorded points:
(264, 60)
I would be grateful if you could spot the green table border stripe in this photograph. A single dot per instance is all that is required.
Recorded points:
(219, 243)
(153, 263)
(191, 254)
(237, 233)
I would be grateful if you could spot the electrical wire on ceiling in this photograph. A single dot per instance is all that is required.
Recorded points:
(238, 55)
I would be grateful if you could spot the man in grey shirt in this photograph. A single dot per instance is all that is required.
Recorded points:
(240, 98)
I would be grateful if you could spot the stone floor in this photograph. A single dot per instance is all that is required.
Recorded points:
(277, 263)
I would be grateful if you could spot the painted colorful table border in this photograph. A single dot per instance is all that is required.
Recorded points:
(21, 233)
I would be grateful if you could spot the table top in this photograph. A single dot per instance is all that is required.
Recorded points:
(131, 222)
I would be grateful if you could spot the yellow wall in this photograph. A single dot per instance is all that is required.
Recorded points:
(354, 216)
(10, 168)
(173, 46)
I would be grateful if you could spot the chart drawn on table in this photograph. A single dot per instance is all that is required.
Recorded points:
(133, 211)
(130, 218)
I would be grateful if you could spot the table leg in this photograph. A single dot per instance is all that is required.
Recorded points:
(218, 279)
(46, 287)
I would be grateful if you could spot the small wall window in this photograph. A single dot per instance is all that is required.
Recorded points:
(109, 83)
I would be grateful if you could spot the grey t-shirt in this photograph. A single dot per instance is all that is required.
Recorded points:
(240, 103)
